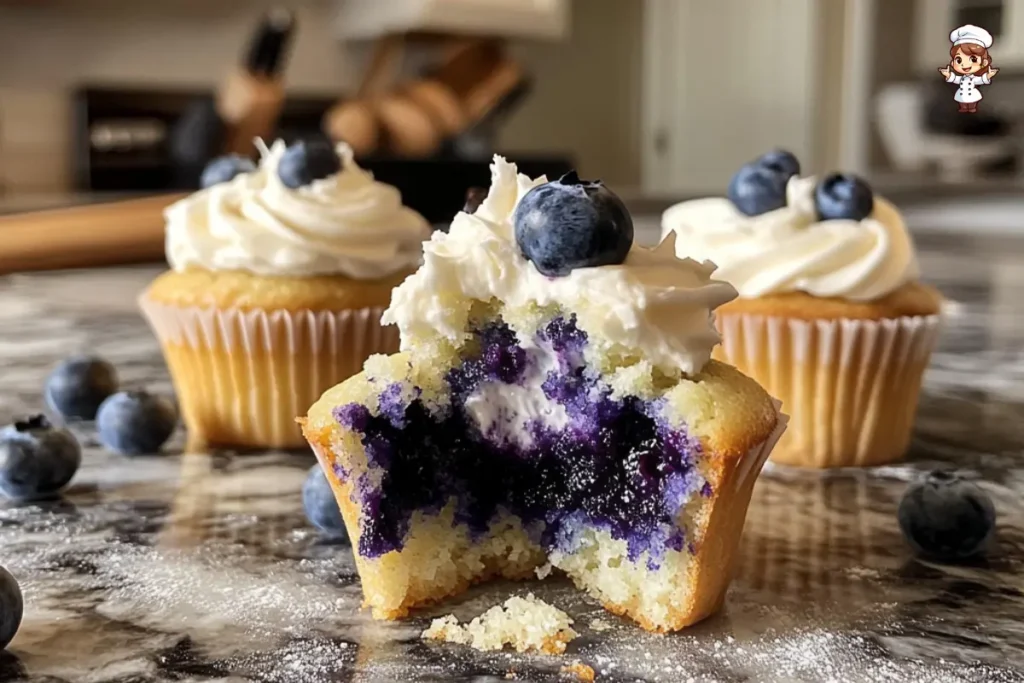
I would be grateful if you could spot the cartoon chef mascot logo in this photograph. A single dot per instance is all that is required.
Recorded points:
(970, 65)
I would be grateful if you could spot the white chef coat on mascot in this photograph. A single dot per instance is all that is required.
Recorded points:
(968, 92)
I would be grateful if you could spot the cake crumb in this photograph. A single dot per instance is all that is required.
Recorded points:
(599, 625)
(543, 571)
(580, 670)
(526, 624)
(863, 573)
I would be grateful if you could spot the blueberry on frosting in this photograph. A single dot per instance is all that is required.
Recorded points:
(760, 186)
(572, 223)
(843, 195)
(782, 162)
(225, 168)
(306, 161)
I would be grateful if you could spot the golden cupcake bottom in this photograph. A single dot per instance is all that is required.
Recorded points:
(248, 354)
(849, 384)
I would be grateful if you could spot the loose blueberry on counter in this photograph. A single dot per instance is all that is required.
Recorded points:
(12, 607)
(77, 387)
(135, 422)
(572, 223)
(320, 505)
(306, 161)
(842, 195)
(36, 460)
(225, 168)
(946, 518)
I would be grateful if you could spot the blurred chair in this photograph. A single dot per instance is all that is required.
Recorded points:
(900, 110)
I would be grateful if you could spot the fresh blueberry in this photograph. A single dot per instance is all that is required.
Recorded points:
(320, 505)
(780, 161)
(757, 189)
(572, 223)
(760, 186)
(135, 422)
(36, 460)
(946, 518)
(12, 606)
(222, 169)
(77, 387)
(306, 161)
(842, 195)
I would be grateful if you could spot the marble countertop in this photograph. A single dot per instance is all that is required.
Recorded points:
(201, 568)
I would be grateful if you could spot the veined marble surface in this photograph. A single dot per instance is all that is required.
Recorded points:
(201, 568)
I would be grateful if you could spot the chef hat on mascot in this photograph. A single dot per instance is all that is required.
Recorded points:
(969, 33)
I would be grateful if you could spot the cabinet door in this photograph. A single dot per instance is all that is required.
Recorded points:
(723, 82)
(1008, 33)
(1004, 19)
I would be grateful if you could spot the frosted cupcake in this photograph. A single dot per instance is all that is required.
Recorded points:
(279, 276)
(554, 405)
(831, 316)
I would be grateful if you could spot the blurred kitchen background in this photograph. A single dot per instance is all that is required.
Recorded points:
(663, 99)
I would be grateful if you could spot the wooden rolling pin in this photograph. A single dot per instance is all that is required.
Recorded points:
(130, 231)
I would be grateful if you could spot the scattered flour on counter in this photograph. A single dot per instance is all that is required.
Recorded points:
(305, 661)
(526, 624)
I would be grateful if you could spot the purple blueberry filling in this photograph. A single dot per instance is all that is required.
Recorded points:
(615, 464)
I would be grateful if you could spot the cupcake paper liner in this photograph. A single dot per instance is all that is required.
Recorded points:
(718, 557)
(243, 376)
(850, 386)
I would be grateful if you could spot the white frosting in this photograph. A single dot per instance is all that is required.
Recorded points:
(790, 250)
(345, 224)
(655, 305)
(504, 412)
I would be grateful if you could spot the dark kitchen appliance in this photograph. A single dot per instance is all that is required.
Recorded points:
(122, 144)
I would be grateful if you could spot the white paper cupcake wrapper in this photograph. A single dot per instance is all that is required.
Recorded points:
(752, 463)
(242, 377)
(850, 386)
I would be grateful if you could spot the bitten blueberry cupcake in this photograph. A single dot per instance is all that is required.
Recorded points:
(554, 404)
(831, 316)
(279, 276)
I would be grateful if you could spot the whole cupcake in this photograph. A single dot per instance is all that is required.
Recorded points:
(279, 276)
(831, 319)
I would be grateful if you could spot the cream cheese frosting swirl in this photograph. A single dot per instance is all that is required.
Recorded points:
(655, 305)
(791, 250)
(345, 224)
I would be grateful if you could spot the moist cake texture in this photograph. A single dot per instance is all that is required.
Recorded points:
(528, 432)
(572, 420)
(524, 624)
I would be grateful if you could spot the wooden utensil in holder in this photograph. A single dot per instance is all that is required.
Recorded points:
(130, 231)
(413, 119)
